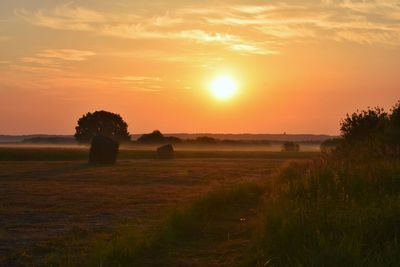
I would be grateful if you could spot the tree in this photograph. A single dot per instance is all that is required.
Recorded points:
(206, 140)
(154, 137)
(330, 145)
(366, 125)
(102, 123)
(289, 146)
(393, 128)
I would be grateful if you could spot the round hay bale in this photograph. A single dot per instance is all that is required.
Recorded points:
(165, 152)
(103, 151)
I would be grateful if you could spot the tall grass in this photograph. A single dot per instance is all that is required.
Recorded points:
(327, 212)
(182, 225)
(331, 213)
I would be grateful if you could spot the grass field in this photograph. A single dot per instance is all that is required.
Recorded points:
(53, 205)
(75, 153)
(205, 208)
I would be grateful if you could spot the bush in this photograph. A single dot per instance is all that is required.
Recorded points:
(154, 137)
(364, 125)
(290, 147)
(330, 145)
(371, 133)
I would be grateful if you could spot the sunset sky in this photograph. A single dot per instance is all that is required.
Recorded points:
(299, 66)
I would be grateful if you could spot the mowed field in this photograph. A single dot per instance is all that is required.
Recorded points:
(50, 196)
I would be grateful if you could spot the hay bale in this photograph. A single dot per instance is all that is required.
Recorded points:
(165, 152)
(103, 151)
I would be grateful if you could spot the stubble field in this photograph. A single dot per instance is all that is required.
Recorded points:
(52, 202)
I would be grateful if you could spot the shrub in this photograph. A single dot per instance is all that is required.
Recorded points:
(330, 145)
(364, 125)
(290, 147)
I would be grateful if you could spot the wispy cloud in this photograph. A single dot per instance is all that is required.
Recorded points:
(4, 38)
(67, 17)
(50, 60)
(142, 83)
(179, 25)
(66, 54)
(245, 29)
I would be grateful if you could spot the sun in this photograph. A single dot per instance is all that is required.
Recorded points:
(223, 87)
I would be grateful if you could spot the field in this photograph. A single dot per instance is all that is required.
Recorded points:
(204, 208)
(53, 205)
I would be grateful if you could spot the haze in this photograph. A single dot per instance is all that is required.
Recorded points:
(299, 66)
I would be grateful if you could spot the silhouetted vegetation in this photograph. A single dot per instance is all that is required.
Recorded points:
(156, 137)
(371, 133)
(330, 145)
(290, 147)
(206, 140)
(49, 140)
(102, 123)
(331, 213)
(103, 151)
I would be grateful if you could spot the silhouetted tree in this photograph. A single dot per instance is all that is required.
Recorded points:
(290, 147)
(206, 140)
(364, 125)
(172, 140)
(101, 123)
(154, 137)
(393, 129)
(330, 145)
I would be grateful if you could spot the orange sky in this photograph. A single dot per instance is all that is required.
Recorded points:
(300, 66)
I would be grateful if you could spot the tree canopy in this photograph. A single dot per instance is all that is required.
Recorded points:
(101, 123)
(371, 132)
(363, 125)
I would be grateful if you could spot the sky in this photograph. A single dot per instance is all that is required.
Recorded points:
(299, 66)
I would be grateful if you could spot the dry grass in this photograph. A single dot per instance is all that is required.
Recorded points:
(46, 203)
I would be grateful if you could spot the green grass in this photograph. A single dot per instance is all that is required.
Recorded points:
(57, 207)
(183, 227)
(321, 213)
(331, 214)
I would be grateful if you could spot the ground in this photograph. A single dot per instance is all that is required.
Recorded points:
(43, 203)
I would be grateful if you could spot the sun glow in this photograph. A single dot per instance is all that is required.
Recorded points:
(223, 87)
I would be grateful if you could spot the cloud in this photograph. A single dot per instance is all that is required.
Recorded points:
(138, 79)
(142, 83)
(245, 29)
(4, 38)
(167, 26)
(68, 17)
(51, 59)
(66, 54)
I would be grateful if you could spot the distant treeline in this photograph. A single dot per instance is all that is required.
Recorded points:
(156, 137)
(49, 140)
